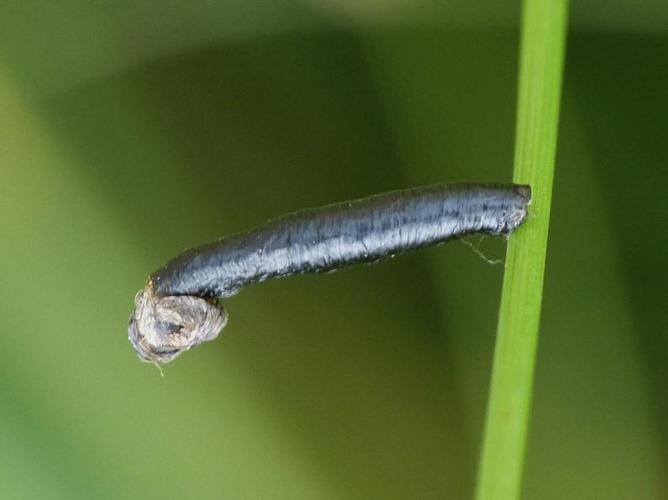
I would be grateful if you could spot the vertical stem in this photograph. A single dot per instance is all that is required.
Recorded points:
(541, 62)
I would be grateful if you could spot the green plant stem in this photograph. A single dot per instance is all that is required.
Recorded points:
(541, 62)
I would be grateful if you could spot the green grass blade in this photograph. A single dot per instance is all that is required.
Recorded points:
(541, 62)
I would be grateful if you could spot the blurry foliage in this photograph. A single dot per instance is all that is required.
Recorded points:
(123, 125)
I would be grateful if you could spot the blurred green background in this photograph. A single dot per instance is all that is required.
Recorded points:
(132, 130)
